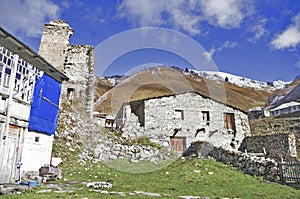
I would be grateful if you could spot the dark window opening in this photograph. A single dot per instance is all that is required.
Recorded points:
(37, 139)
(206, 117)
(179, 114)
(138, 108)
(70, 93)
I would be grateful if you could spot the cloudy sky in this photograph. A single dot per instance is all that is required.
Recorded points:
(251, 38)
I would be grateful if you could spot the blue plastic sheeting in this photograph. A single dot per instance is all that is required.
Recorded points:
(45, 105)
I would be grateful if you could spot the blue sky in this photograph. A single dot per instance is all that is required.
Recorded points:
(251, 38)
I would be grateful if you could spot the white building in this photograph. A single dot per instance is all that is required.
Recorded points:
(286, 108)
(23, 150)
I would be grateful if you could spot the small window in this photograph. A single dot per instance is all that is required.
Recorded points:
(179, 114)
(37, 139)
(205, 117)
(229, 121)
(70, 93)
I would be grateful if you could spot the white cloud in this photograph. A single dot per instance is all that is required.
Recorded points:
(179, 14)
(209, 54)
(289, 38)
(258, 30)
(27, 16)
(224, 14)
(185, 15)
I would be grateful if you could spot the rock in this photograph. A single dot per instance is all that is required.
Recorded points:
(63, 191)
(113, 157)
(44, 191)
(147, 193)
(210, 173)
(55, 161)
(104, 192)
(134, 161)
(262, 169)
(54, 186)
(274, 170)
(196, 171)
(189, 197)
(105, 185)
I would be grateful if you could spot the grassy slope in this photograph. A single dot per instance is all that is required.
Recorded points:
(181, 180)
(165, 81)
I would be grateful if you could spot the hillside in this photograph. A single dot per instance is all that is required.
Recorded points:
(290, 93)
(161, 81)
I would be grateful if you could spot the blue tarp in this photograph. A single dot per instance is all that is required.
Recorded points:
(45, 105)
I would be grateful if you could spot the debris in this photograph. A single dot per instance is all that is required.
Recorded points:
(55, 161)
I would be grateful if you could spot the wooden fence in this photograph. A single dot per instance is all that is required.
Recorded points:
(290, 172)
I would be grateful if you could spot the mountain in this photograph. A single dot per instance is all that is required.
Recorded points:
(290, 93)
(161, 81)
(241, 81)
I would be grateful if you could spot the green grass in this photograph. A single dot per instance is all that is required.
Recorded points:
(176, 179)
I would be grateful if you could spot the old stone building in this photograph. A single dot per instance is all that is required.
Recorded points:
(76, 61)
(178, 120)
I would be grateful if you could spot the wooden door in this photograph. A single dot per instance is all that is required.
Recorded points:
(178, 143)
(8, 154)
(229, 121)
(8, 159)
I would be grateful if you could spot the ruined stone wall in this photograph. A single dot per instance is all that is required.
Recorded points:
(76, 61)
(161, 121)
(249, 164)
(54, 41)
(80, 69)
(276, 145)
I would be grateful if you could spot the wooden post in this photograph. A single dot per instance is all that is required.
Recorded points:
(10, 95)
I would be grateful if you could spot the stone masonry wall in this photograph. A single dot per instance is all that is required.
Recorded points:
(276, 145)
(249, 164)
(161, 122)
(79, 67)
(76, 61)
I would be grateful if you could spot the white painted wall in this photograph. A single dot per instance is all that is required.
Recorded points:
(20, 111)
(36, 153)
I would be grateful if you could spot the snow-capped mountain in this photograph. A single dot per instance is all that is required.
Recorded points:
(240, 81)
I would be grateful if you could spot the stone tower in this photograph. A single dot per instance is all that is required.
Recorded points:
(76, 61)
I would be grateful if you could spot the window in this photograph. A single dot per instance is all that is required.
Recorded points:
(179, 114)
(229, 121)
(37, 139)
(205, 117)
(6, 77)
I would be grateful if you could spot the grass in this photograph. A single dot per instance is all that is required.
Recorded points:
(176, 179)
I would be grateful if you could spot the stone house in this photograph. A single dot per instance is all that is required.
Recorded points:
(177, 120)
(30, 91)
(76, 61)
